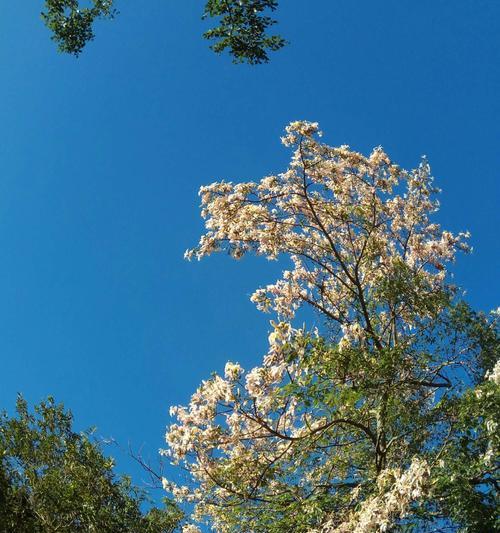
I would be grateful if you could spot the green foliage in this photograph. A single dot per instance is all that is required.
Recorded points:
(367, 414)
(52, 479)
(483, 336)
(242, 26)
(466, 481)
(242, 29)
(71, 25)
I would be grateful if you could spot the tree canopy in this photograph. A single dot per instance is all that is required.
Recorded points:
(242, 26)
(242, 29)
(53, 479)
(385, 417)
(72, 25)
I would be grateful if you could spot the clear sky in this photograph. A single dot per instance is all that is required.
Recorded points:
(101, 159)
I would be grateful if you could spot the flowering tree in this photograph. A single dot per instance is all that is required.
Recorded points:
(384, 419)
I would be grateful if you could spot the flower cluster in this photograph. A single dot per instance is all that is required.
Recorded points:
(190, 528)
(379, 512)
(241, 435)
(494, 375)
(354, 226)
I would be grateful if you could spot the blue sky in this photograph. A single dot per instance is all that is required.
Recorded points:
(101, 159)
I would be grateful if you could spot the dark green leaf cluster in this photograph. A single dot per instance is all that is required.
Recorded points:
(242, 26)
(466, 486)
(242, 29)
(482, 334)
(53, 479)
(71, 25)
